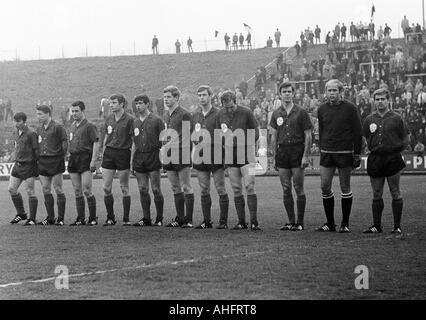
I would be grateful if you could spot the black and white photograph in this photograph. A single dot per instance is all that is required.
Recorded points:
(212, 155)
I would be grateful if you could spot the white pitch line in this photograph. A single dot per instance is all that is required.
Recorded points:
(144, 266)
(170, 263)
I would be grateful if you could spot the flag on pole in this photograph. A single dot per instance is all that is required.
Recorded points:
(247, 26)
(216, 33)
(373, 9)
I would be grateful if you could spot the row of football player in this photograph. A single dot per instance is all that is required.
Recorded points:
(132, 145)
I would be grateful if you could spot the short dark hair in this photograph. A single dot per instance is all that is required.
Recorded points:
(173, 90)
(20, 116)
(380, 92)
(142, 97)
(120, 98)
(205, 88)
(285, 85)
(45, 109)
(79, 104)
(227, 96)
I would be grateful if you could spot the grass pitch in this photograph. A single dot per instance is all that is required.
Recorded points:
(163, 263)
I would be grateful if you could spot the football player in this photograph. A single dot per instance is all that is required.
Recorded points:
(83, 149)
(25, 169)
(205, 124)
(53, 147)
(146, 163)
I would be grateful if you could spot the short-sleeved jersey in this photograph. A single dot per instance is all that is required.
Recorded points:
(206, 122)
(177, 119)
(242, 118)
(26, 145)
(290, 127)
(82, 137)
(53, 140)
(119, 133)
(385, 134)
(146, 133)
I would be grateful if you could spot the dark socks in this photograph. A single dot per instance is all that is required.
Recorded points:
(240, 207)
(189, 206)
(377, 208)
(159, 204)
(80, 205)
(206, 204)
(328, 203)
(109, 205)
(252, 206)
(346, 208)
(126, 208)
(224, 207)
(50, 209)
(146, 205)
(301, 206)
(61, 202)
(180, 207)
(33, 204)
(19, 204)
(289, 207)
(397, 212)
(91, 203)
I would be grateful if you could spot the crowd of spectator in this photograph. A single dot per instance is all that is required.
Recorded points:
(363, 67)
(365, 62)
(6, 110)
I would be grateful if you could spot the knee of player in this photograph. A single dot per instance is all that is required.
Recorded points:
(204, 190)
(176, 189)
(221, 190)
(346, 191)
(30, 192)
(78, 193)
(327, 193)
(395, 194)
(326, 189)
(237, 192)
(143, 190)
(299, 190)
(124, 190)
(377, 196)
(250, 189)
(46, 190)
(58, 189)
(286, 186)
(236, 187)
(156, 191)
(87, 193)
(13, 191)
(287, 193)
(107, 190)
(187, 189)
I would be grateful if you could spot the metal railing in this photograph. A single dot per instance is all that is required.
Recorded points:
(268, 68)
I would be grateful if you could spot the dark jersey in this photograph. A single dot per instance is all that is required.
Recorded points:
(208, 123)
(385, 134)
(146, 134)
(290, 127)
(82, 137)
(177, 120)
(26, 146)
(53, 140)
(119, 133)
(339, 128)
(229, 122)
